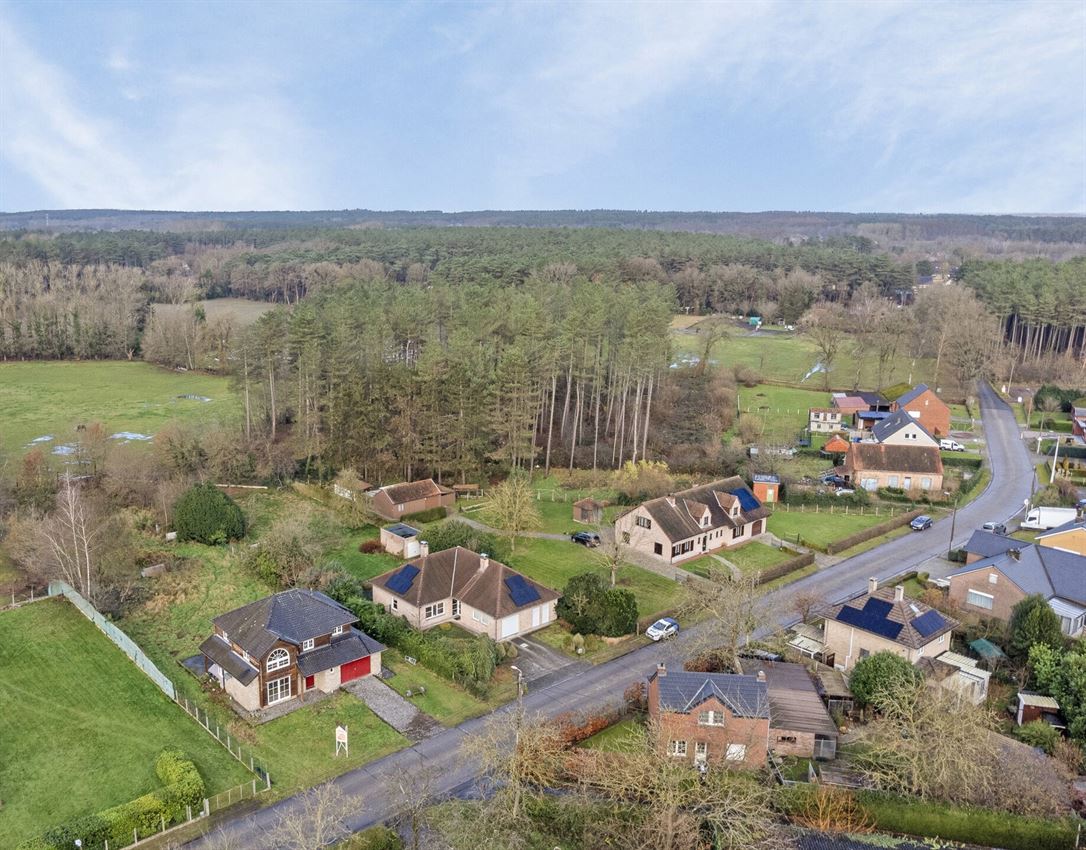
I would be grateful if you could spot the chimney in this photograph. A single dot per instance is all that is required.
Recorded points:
(484, 560)
(1015, 553)
(899, 593)
(424, 549)
(761, 675)
(872, 585)
(661, 669)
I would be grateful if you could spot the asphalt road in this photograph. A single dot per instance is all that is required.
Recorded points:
(376, 785)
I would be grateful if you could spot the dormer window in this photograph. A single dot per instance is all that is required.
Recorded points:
(705, 521)
(735, 511)
(307, 645)
(338, 630)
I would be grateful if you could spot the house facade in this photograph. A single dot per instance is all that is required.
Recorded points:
(278, 648)
(399, 500)
(910, 468)
(991, 587)
(927, 408)
(692, 522)
(883, 620)
(715, 718)
(478, 593)
(1078, 419)
(1069, 537)
(826, 420)
(901, 429)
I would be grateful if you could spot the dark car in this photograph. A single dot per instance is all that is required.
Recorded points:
(995, 527)
(921, 523)
(585, 538)
(835, 480)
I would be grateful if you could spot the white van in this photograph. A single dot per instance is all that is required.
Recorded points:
(951, 446)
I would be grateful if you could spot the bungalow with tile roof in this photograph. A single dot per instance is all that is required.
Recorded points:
(901, 429)
(884, 620)
(481, 594)
(910, 468)
(396, 501)
(282, 646)
(987, 544)
(991, 587)
(710, 717)
(692, 522)
(927, 408)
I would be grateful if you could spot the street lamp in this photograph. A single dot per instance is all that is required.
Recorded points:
(953, 523)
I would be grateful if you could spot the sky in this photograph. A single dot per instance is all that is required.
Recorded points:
(876, 106)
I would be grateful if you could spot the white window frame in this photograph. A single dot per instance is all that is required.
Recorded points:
(225, 637)
(643, 522)
(736, 752)
(677, 749)
(970, 593)
(278, 683)
(277, 660)
(925, 483)
(308, 644)
(338, 630)
(432, 612)
(993, 578)
(710, 718)
(456, 608)
(701, 751)
(395, 604)
(481, 618)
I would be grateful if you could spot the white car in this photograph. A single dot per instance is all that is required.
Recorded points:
(665, 627)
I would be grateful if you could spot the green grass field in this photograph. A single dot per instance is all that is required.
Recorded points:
(823, 527)
(51, 398)
(614, 738)
(755, 557)
(780, 411)
(80, 725)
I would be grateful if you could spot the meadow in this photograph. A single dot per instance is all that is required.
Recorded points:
(241, 311)
(80, 725)
(50, 398)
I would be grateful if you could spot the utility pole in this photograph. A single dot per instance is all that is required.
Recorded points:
(1055, 457)
(518, 724)
(953, 524)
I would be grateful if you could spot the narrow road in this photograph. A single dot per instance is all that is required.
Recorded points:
(376, 785)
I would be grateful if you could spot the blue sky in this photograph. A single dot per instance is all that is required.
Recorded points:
(887, 106)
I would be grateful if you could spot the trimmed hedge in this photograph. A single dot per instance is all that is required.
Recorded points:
(182, 787)
(874, 531)
(789, 566)
(962, 461)
(430, 515)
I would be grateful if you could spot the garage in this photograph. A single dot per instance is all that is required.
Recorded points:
(510, 625)
(354, 669)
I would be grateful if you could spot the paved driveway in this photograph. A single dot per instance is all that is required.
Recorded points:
(542, 664)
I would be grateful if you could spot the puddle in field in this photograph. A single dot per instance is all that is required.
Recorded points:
(818, 367)
(192, 397)
(64, 450)
(45, 438)
(131, 436)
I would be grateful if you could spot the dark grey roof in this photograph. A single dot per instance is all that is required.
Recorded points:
(218, 651)
(766, 478)
(293, 616)
(683, 692)
(877, 399)
(895, 422)
(678, 515)
(1060, 529)
(912, 394)
(341, 650)
(987, 545)
(1040, 569)
(402, 529)
(794, 703)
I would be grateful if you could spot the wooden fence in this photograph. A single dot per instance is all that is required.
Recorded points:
(35, 594)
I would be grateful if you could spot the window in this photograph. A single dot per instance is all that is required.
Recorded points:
(644, 522)
(226, 637)
(925, 483)
(908, 482)
(278, 659)
(701, 751)
(435, 610)
(892, 481)
(456, 607)
(864, 653)
(338, 630)
(395, 604)
(399, 507)
(657, 548)
(626, 538)
(737, 532)
(786, 739)
(480, 618)
(736, 752)
(278, 690)
(307, 645)
(711, 718)
(677, 748)
(682, 548)
(979, 600)
(993, 578)
(705, 521)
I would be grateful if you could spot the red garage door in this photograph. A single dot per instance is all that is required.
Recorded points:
(355, 669)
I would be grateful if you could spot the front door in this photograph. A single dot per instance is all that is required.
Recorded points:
(757, 527)
(908, 483)
(310, 681)
(704, 538)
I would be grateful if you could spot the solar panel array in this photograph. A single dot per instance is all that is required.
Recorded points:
(401, 582)
(872, 618)
(929, 623)
(520, 591)
(746, 499)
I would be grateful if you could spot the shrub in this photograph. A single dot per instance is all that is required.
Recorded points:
(783, 569)
(456, 533)
(374, 838)
(747, 376)
(207, 515)
(368, 547)
(870, 533)
(581, 601)
(431, 515)
(1039, 734)
(1033, 621)
(874, 674)
(619, 614)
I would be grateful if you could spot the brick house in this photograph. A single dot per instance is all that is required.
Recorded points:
(480, 594)
(884, 620)
(692, 522)
(991, 587)
(911, 468)
(279, 647)
(927, 408)
(799, 723)
(901, 429)
(986, 544)
(399, 500)
(719, 718)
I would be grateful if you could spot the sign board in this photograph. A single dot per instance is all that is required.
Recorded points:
(341, 741)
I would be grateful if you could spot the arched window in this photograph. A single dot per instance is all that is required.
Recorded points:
(279, 659)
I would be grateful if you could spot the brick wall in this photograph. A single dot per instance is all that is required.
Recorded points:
(1005, 594)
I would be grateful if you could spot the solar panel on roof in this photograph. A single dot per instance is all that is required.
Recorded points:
(871, 618)
(520, 591)
(401, 582)
(746, 499)
(929, 623)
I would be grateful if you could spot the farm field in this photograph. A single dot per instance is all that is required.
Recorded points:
(80, 725)
(780, 411)
(50, 398)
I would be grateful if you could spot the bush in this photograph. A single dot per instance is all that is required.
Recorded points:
(207, 515)
(619, 614)
(455, 533)
(593, 608)
(874, 674)
(1039, 734)
(789, 566)
(369, 547)
(1032, 621)
(374, 838)
(431, 515)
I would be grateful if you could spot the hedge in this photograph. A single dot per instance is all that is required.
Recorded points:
(791, 565)
(206, 514)
(430, 515)
(962, 461)
(182, 787)
(871, 533)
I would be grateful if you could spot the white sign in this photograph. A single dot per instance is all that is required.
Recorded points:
(341, 741)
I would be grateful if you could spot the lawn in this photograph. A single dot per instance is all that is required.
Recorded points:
(755, 557)
(824, 527)
(614, 738)
(443, 700)
(48, 399)
(554, 562)
(780, 411)
(80, 725)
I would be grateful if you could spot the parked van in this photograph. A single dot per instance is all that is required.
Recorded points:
(951, 446)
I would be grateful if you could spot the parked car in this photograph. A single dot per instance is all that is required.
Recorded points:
(834, 479)
(951, 446)
(665, 627)
(995, 527)
(586, 538)
(921, 523)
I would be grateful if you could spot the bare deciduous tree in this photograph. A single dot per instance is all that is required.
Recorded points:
(730, 611)
(511, 506)
(318, 819)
